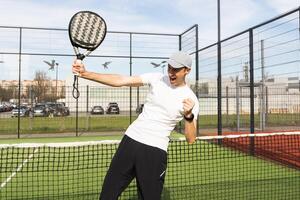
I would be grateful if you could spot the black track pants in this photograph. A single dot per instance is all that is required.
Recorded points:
(135, 160)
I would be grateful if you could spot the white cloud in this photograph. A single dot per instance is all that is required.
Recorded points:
(283, 5)
(136, 23)
(147, 15)
(195, 8)
(120, 16)
(33, 14)
(236, 15)
(168, 16)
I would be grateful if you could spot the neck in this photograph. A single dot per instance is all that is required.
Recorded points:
(179, 85)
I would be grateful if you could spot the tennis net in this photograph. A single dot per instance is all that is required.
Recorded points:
(258, 166)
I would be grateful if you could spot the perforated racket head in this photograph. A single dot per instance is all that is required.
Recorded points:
(87, 30)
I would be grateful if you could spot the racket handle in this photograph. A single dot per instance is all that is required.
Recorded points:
(78, 61)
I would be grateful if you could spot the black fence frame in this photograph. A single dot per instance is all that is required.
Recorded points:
(194, 53)
(251, 62)
(21, 53)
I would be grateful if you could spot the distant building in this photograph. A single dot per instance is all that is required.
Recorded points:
(27, 85)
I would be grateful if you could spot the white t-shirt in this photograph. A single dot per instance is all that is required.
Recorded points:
(162, 110)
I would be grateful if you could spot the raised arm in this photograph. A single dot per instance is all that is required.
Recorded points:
(114, 80)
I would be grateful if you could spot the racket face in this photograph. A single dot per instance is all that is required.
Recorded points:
(87, 30)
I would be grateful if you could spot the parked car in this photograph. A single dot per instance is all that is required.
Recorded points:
(6, 107)
(66, 109)
(139, 109)
(10, 106)
(113, 108)
(57, 109)
(97, 110)
(2, 108)
(41, 110)
(24, 111)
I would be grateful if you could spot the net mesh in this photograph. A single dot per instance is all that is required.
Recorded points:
(258, 166)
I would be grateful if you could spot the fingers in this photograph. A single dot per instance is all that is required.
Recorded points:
(188, 105)
(77, 67)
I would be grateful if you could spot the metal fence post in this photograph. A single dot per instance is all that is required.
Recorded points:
(130, 73)
(267, 105)
(197, 72)
(227, 105)
(87, 98)
(87, 109)
(251, 59)
(262, 98)
(179, 48)
(179, 42)
(237, 103)
(219, 73)
(137, 97)
(20, 66)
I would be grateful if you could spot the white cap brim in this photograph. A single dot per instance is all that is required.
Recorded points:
(174, 64)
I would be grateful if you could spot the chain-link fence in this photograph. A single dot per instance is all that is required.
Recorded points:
(36, 81)
(259, 90)
(260, 79)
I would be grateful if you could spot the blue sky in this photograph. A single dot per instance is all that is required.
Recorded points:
(163, 16)
(169, 16)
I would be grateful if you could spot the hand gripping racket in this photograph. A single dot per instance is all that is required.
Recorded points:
(87, 30)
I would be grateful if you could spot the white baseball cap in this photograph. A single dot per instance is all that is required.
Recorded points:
(180, 59)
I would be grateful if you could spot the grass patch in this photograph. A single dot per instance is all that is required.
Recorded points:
(174, 135)
(40, 125)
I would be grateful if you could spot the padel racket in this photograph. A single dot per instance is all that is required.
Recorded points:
(87, 30)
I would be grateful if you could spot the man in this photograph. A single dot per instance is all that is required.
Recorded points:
(142, 153)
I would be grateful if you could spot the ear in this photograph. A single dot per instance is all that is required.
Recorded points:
(187, 70)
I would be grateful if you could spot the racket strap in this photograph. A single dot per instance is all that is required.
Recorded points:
(75, 91)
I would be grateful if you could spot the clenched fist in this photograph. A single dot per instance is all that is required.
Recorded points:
(188, 105)
(78, 68)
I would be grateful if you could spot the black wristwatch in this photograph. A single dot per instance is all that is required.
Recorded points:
(189, 119)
